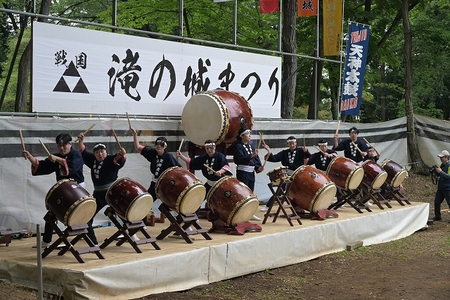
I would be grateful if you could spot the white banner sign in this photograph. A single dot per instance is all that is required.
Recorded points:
(86, 71)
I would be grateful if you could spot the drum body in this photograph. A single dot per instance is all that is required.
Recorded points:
(396, 174)
(181, 190)
(345, 173)
(70, 203)
(232, 201)
(277, 175)
(216, 115)
(311, 189)
(129, 199)
(374, 175)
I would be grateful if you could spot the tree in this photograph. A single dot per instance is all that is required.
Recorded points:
(411, 136)
(289, 68)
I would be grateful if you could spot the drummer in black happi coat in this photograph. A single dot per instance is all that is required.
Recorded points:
(351, 146)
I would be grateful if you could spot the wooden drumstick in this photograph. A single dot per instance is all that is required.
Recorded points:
(339, 124)
(23, 144)
(87, 130)
(181, 144)
(209, 168)
(45, 148)
(260, 139)
(357, 148)
(128, 118)
(318, 148)
(115, 136)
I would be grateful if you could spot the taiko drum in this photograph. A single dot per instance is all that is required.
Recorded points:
(216, 115)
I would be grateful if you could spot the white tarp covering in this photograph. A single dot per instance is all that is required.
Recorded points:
(22, 196)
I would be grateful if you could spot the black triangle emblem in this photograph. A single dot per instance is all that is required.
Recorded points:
(80, 87)
(62, 86)
(71, 71)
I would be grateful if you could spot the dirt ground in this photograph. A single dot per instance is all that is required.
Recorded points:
(416, 267)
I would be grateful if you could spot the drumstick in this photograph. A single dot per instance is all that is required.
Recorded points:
(260, 139)
(87, 130)
(337, 129)
(209, 168)
(181, 144)
(357, 148)
(21, 139)
(319, 149)
(115, 136)
(128, 118)
(45, 148)
(368, 142)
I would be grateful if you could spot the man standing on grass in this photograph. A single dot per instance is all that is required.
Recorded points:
(443, 190)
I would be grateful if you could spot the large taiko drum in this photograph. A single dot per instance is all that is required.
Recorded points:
(129, 199)
(181, 190)
(216, 115)
(278, 175)
(232, 201)
(396, 173)
(70, 203)
(311, 189)
(345, 173)
(374, 175)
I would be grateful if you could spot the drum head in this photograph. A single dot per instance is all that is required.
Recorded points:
(191, 199)
(355, 178)
(323, 198)
(243, 211)
(205, 116)
(81, 212)
(139, 207)
(399, 177)
(379, 180)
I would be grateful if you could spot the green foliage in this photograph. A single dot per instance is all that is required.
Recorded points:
(204, 20)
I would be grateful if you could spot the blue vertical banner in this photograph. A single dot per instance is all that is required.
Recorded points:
(355, 69)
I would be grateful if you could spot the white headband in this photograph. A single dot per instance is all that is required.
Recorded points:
(323, 144)
(244, 132)
(210, 144)
(291, 140)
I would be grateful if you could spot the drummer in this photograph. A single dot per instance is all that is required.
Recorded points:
(356, 153)
(160, 159)
(104, 171)
(66, 164)
(292, 157)
(372, 154)
(322, 159)
(247, 161)
(216, 161)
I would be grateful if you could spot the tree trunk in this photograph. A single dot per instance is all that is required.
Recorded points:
(314, 92)
(22, 80)
(289, 65)
(411, 140)
(25, 67)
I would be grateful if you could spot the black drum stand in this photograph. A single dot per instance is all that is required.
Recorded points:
(391, 192)
(368, 193)
(127, 229)
(352, 198)
(284, 204)
(80, 232)
(180, 224)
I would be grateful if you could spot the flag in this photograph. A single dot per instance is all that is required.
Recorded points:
(307, 8)
(354, 69)
(332, 27)
(218, 1)
(268, 6)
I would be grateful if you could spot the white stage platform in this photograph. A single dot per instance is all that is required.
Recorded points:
(126, 274)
